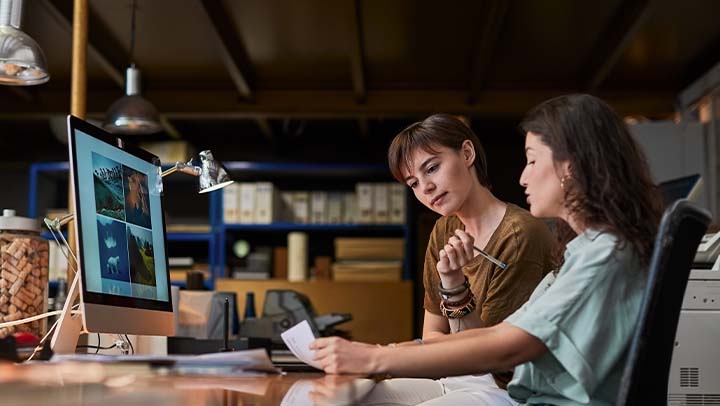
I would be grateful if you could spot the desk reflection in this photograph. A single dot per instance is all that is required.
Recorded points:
(127, 385)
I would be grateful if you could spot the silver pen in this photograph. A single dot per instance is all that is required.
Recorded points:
(491, 258)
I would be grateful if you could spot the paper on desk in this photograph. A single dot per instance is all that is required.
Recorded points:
(255, 359)
(298, 339)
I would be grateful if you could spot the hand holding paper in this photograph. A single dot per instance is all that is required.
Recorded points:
(298, 339)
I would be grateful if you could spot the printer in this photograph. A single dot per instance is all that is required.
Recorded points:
(695, 368)
(283, 309)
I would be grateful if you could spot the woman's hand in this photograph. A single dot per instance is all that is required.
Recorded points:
(454, 255)
(340, 356)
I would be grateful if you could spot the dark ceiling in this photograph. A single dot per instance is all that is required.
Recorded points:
(284, 79)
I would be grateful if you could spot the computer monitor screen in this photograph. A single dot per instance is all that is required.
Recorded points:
(686, 187)
(120, 234)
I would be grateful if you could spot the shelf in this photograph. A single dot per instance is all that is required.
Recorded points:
(189, 236)
(291, 169)
(50, 166)
(48, 235)
(182, 284)
(315, 227)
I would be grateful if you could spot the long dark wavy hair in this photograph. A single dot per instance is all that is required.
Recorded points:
(609, 186)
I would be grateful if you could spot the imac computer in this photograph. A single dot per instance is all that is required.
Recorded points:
(123, 275)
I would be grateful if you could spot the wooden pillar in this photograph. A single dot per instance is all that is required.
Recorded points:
(78, 94)
(78, 105)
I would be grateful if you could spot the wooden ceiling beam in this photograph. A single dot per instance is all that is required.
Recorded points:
(702, 74)
(232, 49)
(611, 43)
(169, 127)
(699, 88)
(490, 19)
(357, 52)
(223, 104)
(263, 124)
(363, 127)
(102, 45)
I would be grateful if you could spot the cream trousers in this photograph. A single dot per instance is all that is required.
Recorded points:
(459, 390)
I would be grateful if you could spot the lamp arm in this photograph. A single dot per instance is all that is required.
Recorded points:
(58, 222)
(186, 168)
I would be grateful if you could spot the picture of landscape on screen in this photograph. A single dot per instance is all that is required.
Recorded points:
(112, 239)
(107, 179)
(141, 253)
(137, 198)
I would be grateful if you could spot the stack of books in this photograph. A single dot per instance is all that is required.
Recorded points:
(368, 259)
(264, 203)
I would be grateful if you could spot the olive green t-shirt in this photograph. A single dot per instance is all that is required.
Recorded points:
(521, 241)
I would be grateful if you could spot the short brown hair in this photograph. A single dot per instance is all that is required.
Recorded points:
(437, 130)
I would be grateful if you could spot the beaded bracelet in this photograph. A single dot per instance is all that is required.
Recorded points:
(456, 290)
(459, 303)
(458, 313)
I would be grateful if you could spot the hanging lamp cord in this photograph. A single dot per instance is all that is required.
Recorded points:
(132, 33)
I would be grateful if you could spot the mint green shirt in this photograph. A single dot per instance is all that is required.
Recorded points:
(586, 317)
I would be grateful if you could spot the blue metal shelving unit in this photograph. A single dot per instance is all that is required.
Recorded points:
(217, 237)
(315, 227)
(189, 236)
(295, 170)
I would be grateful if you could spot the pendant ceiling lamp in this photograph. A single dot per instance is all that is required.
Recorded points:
(22, 62)
(132, 114)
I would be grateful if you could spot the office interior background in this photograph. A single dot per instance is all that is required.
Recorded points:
(324, 86)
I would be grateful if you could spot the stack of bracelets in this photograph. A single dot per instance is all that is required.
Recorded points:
(460, 308)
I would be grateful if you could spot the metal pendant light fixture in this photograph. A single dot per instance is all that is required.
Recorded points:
(132, 114)
(22, 62)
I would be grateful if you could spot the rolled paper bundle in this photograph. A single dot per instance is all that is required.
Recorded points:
(297, 269)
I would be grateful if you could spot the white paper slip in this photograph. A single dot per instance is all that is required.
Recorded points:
(298, 339)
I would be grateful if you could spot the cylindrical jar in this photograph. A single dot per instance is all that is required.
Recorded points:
(23, 273)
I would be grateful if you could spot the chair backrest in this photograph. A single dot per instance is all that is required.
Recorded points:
(645, 378)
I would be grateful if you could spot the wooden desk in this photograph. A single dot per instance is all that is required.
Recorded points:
(108, 385)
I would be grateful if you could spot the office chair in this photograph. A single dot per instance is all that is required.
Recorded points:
(645, 378)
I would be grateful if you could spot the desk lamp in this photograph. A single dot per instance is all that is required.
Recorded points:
(212, 174)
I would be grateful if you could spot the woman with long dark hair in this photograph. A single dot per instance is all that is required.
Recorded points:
(568, 343)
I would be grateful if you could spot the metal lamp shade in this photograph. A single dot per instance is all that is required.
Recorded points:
(132, 114)
(22, 62)
(213, 175)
